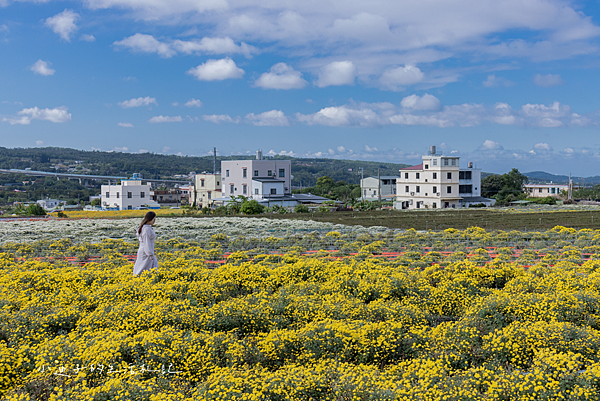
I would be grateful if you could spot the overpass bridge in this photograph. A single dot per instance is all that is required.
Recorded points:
(84, 178)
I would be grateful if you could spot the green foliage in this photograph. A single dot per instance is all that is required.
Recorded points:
(35, 210)
(329, 188)
(96, 202)
(301, 209)
(251, 207)
(504, 188)
(548, 200)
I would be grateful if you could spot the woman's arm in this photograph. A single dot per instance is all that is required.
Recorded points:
(148, 239)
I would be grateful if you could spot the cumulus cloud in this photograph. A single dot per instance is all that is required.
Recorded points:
(25, 116)
(268, 118)
(193, 103)
(39, 143)
(281, 76)
(398, 78)
(137, 102)
(122, 149)
(221, 118)
(337, 73)
(63, 24)
(217, 70)
(42, 68)
(493, 81)
(547, 81)
(142, 43)
(87, 38)
(425, 102)
(165, 119)
(288, 153)
(488, 144)
(542, 146)
(125, 125)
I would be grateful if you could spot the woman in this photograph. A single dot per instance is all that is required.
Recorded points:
(146, 259)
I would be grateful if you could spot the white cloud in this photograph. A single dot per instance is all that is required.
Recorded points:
(125, 125)
(488, 144)
(339, 116)
(39, 143)
(122, 149)
(425, 102)
(193, 103)
(165, 119)
(63, 24)
(25, 116)
(281, 153)
(217, 70)
(542, 146)
(369, 149)
(398, 78)
(268, 118)
(337, 73)
(142, 43)
(493, 81)
(221, 118)
(546, 116)
(213, 46)
(87, 38)
(547, 81)
(42, 68)
(137, 102)
(569, 151)
(341, 149)
(281, 76)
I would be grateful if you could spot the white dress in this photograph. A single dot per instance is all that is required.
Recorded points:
(145, 255)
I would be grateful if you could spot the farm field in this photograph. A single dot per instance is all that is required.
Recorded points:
(257, 309)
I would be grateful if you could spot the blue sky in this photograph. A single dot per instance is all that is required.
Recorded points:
(504, 84)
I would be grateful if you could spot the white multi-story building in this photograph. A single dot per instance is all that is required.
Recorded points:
(206, 188)
(129, 194)
(238, 177)
(371, 187)
(48, 204)
(469, 188)
(432, 184)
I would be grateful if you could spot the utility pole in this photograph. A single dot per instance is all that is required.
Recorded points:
(215, 161)
(379, 185)
(362, 177)
(570, 191)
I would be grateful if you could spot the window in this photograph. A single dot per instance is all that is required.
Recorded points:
(465, 189)
(418, 176)
(218, 183)
(282, 172)
(553, 190)
(129, 195)
(445, 162)
(540, 191)
(108, 194)
(454, 162)
(365, 192)
(256, 173)
(375, 192)
(418, 189)
(226, 173)
(230, 188)
(129, 207)
(117, 195)
(406, 189)
(160, 198)
(209, 195)
(434, 205)
(406, 176)
(255, 191)
(244, 188)
(434, 162)
(427, 167)
(449, 176)
(244, 175)
(201, 183)
(464, 175)
(142, 194)
(269, 173)
(449, 189)
(435, 190)
(418, 205)
(435, 176)
(273, 191)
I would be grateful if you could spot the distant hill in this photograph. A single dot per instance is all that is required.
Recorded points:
(542, 177)
(151, 165)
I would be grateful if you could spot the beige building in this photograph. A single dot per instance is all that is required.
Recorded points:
(206, 188)
(432, 184)
(238, 176)
(544, 190)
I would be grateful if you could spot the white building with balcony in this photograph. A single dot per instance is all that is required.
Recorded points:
(371, 187)
(128, 195)
(237, 176)
(469, 187)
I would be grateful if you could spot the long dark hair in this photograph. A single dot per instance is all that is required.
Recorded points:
(147, 218)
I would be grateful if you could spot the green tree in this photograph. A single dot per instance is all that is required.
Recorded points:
(251, 207)
(491, 185)
(35, 210)
(96, 202)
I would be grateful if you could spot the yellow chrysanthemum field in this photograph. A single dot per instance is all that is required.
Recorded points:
(319, 312)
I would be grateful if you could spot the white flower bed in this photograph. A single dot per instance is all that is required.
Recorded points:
(189, 228)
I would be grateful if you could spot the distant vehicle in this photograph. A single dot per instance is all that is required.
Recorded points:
(175, 207)
(142, 208)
